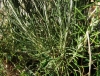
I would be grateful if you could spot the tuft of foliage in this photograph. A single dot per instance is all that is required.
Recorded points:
(49, 38)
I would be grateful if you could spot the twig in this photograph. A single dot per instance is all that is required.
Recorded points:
(89, 51)
(91, 12)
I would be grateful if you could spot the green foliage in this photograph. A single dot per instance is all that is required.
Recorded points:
(49, 38)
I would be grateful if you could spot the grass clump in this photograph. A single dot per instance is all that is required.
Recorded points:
(49, 38)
